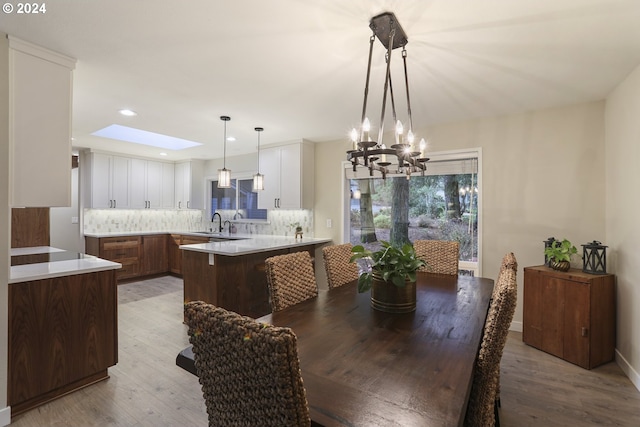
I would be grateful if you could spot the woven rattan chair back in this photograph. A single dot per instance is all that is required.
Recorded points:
(441, 256)
(482, 410)
(249, 372)
(336, 263)
(291, 279)
(509, 262)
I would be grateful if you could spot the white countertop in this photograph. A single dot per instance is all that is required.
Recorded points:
(47, 270)
(253, 244)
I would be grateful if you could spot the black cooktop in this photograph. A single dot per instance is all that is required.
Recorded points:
(46, 257)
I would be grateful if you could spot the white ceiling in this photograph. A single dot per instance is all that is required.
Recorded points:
(297, 68)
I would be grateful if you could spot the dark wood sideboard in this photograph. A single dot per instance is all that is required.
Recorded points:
(571, 314)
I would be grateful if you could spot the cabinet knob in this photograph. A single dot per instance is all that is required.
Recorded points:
(585, 332)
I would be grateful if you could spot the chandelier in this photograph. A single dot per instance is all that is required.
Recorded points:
(404, 150)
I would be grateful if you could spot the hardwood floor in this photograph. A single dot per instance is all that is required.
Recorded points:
(146, 388)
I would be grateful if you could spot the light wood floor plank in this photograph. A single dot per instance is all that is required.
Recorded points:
(147, 389)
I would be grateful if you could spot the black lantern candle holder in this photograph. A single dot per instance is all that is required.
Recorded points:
(594, 258)
(547, 244)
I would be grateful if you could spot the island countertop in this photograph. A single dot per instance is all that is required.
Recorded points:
(54, 262)
(251, 244)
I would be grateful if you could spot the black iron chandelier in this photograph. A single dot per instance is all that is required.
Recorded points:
(373, 154)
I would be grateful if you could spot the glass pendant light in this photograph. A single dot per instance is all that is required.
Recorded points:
(258, 178)
(224, 174)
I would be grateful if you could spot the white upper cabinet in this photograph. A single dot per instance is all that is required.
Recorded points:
(152, 184)
(288, 176)
(118, 182)
(108, 179)
(40, 88)
(189, 185)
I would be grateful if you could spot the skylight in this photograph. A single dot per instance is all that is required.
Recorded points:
(138, 136)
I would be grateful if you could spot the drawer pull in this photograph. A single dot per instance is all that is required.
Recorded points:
(585, 332)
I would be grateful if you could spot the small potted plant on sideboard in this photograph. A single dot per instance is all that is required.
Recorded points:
(559, 254)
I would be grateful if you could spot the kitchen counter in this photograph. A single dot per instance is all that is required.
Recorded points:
(63, 324)
(252, 244)
(45, 262)
(231, 274)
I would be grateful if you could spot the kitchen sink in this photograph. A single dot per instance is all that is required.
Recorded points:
(215, 236)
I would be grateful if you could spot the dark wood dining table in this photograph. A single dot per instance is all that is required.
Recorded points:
(363, 367)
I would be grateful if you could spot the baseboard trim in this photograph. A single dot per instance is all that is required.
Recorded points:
(516, 326)
(628, 370)
(5, 416)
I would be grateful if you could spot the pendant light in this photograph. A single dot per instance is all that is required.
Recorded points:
(224, 174)
(258, 178)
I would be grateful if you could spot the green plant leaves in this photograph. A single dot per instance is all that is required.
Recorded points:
(393, 264)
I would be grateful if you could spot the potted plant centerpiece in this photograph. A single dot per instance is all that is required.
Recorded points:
(559, 254)
(391, 276)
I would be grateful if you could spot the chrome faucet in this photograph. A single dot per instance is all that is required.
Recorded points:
(220, 221)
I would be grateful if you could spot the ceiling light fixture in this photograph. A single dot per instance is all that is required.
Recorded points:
(224, 174)
(373, 154)
(258, 178)
(127, 112)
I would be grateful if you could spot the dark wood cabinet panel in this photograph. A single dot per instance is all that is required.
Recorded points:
(63, 335)
(30, 227)
(124, 250)
(155, 254)
(570, 314)
(175, 253)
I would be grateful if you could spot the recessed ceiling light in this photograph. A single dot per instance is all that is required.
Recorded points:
(163, 154)
(128, 113)
(231, 138)
(138, 136)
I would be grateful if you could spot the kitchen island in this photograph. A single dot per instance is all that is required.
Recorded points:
(63, 324)
(230, 273)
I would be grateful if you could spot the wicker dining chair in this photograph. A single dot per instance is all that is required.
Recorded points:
(508, 262)
(482, 410)
(336, 263)
(291, 279)
(441, 256)
(249, 371)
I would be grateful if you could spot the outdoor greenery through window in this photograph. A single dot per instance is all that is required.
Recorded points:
(240, 199)
(442, 205)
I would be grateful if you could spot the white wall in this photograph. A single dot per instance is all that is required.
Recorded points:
(5, 224)
(622, 210)
(64, 234)
(543, 175)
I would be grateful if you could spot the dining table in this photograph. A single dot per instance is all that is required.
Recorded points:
(364, 367)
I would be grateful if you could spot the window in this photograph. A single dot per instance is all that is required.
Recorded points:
(442, 205)
(240, 200)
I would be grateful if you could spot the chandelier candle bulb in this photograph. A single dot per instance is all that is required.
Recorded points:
(410, 139)
(423, 147)
(399, 132)
(383, 158)
(366, 127)
(354, 138)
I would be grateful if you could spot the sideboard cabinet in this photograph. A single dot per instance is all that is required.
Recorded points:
(570, 314)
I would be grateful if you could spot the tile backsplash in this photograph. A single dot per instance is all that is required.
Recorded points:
(279, 222)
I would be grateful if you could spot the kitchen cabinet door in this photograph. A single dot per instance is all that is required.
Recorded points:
(109, 177)
(152, 184)
(139, 197)
(189, 184)
(270, 168)
(39, 132)
(288, 173)
(155, 256)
